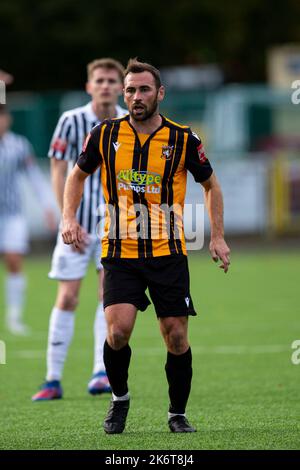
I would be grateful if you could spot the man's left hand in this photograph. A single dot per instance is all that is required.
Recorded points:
(220, 251)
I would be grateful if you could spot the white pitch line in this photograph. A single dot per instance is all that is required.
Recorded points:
(223, 350)
(228, 349)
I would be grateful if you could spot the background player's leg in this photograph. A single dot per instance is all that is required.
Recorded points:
(61, 327)
(179, 362)
(65, 263)
(120, 322)
(99, 382)
(15, 291)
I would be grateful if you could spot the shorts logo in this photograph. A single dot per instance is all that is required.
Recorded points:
(139, 181)
(187, 301)
(167, 152)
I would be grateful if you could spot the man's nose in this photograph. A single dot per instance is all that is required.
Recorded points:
(137, 96)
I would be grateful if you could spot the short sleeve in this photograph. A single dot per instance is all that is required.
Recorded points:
(62, 143)
(90, 158)
(195, 160)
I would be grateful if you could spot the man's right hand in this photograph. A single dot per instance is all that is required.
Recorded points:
(83, 245)
(73, 233)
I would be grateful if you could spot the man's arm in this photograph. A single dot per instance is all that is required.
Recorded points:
(58, 179)
(198, 164)
(72, 232)
(214, 204)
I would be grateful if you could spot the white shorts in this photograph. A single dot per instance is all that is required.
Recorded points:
(69, 265)
(13, 234)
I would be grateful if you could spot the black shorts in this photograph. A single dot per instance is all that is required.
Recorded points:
(166, 277)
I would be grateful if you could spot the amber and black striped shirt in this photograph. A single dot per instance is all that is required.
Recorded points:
(144, 184)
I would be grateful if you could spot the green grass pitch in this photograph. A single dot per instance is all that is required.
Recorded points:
(246, 391)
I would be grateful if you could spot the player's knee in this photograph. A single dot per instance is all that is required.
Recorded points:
(177, 342)
(174, 331)
(13, 263)
(117, 338)
(68, 301)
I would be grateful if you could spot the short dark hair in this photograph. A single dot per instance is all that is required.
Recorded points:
(135, 66)
(105, 63)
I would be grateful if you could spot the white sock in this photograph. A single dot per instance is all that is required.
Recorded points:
(15, 286)
(122, 398)
(61, 329)
(171, 415)
(100, 330)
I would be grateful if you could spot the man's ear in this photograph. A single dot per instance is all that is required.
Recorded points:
(161, 93)
(87, 88)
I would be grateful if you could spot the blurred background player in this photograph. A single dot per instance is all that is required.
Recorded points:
(69, 266)
(17, 157)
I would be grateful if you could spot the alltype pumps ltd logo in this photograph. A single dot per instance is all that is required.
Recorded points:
(139, 181)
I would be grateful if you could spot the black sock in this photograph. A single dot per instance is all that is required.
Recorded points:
(117, 364)
(179, 374)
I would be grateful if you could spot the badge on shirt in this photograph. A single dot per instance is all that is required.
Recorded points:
(167, 152)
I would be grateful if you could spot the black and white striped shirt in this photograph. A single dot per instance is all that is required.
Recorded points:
(16, 155)
(67, 142)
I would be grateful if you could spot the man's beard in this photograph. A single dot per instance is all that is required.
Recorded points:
(148, 113)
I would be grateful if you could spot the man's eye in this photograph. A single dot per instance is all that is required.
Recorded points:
(100, 80)
(112, 81)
